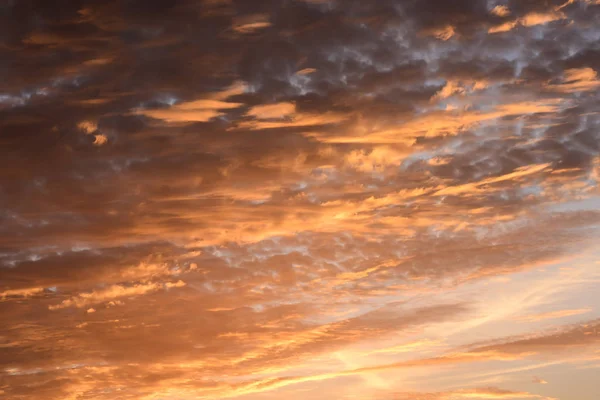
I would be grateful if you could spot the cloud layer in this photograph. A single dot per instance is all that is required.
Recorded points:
(299, 199)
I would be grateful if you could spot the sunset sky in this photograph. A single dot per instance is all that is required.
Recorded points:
(300, 199)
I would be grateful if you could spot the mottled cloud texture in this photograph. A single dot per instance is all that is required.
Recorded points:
(299, 199)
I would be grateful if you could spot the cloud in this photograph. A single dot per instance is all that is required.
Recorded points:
(306, 71)
(272, 111)
(577, 80)
(295, 120)
(501, 11)
(88, 126)
(506, 351)
(444, 123)
(100, 140)
(192, 111)
(474, 187)
(20, 292)
(444, 33)
(540, 18)
(553, 315)
(251, 23)
(406, 347)
(490, 393)
(113, 292)
(245, 190)
(200, 110)
(504, 27)
(528, 20)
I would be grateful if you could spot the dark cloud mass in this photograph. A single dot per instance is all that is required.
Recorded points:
(206, 199)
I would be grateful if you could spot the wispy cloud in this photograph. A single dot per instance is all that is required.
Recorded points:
(553, 315)
(113, 292)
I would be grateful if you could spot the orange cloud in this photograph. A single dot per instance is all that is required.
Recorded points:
(191, 111)
(501, 11)
(88, 127)
(491, 393)
(306, 71)
(553, 315)
(471, 188)
(406, 347)
(201, 110)
(113, 292)
(441, 123)
(577, 80)
(296, 120)
(272, 111)
(251, 23)
(531, 19)
(20, 292)
(445, 33)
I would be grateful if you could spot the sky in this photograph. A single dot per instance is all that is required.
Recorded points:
(299, 199)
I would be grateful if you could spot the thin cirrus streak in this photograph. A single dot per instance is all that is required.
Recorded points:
(303, 199)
